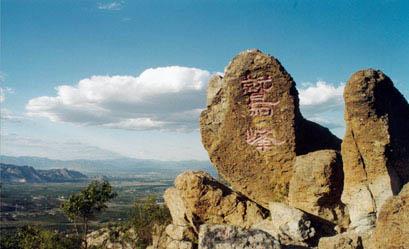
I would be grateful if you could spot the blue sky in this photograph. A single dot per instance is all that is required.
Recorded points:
(98, 50)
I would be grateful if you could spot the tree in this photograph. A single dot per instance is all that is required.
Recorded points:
(81, 207)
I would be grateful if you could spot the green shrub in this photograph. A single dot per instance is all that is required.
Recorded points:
(145, 214)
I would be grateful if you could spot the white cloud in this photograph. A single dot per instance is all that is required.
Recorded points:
(115, 5)
(323, 103)
(17, 145)
(322, 93)
(164, 98)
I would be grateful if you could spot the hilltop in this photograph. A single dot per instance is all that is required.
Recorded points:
(27, 174)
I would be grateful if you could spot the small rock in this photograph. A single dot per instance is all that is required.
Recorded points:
(288, 224)
(232, 237)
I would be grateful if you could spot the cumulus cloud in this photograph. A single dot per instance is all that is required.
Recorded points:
(17, 145)
(163, 98)
(323, 103)
(322, 95)
(115, 5)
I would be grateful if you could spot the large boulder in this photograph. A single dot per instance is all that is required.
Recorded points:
(231, 237)
(316, 186)
(375, 150)
(289, 225)
(392, 226)
(253, 128)
(202, 199)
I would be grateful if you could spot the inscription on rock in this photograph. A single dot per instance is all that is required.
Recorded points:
(259, 106)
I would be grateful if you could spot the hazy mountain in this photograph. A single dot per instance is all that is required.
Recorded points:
(27, 174)
(112, 167)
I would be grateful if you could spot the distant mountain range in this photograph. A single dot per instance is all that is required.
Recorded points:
(27, 174)
(122, 167)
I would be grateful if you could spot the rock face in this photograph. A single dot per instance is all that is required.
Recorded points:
(198, 198)
(375, 150)
(231, 237)
(316, 186)
(289, 225)
(253, 128)
(392, 227)
(176, 206)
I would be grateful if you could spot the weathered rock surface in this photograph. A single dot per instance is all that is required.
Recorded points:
(176, 206)
(204, 200)
(113, 238)
(375, 150)
(392, 226)
(316, 186)
(231, 237)
(181, 233)
(253, 128)
(341, 241)
(289, 225)
(214, 88)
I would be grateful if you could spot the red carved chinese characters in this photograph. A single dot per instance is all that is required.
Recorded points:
(261, 138)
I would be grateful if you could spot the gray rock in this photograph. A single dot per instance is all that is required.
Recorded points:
(231, 237)
(290, 222)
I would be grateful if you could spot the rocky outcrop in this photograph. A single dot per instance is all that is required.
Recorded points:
(253, 129)
(202, 199)
(232, 237)
(316, 186)
(273, 158)
(375, 149)
(287, 224)
(392, 226)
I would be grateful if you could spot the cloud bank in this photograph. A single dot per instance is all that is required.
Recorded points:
(163, 98)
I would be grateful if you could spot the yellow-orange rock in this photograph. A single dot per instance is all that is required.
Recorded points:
(375, 150)
(392, 226)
